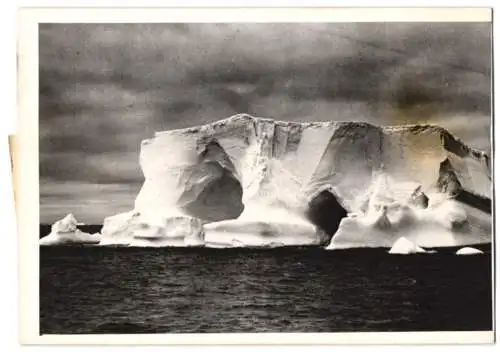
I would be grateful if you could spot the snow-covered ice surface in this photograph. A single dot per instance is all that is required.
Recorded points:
(65, 232)
(247, 181)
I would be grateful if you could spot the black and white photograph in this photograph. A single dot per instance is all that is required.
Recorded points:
(264, 177)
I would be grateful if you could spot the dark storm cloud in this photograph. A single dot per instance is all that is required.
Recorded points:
(390, 63)
(114, 168)
(106, 87)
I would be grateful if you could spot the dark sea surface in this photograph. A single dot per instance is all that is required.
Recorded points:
(196, 290)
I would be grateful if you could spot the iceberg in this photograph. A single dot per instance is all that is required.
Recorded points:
(405, 246)
(249, 181)
(65, 232)
(468, 251)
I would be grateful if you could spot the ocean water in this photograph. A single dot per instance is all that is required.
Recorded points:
(197, 290)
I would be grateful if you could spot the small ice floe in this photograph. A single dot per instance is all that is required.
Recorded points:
(405, 246)
(468, 251)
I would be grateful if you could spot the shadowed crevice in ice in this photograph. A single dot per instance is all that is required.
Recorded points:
(474, 200)
(215, 193)
(326, 212)
(449, 182)
(219, 199)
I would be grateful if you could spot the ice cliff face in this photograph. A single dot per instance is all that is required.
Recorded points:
(254, 181)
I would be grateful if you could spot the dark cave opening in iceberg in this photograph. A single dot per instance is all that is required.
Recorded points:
(326, 212)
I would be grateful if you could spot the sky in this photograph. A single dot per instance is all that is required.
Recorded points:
(105, 87)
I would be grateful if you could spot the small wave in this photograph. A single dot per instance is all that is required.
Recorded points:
(125, 328)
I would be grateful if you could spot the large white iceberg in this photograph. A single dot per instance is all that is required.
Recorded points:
(65, 232)
(247, 181)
